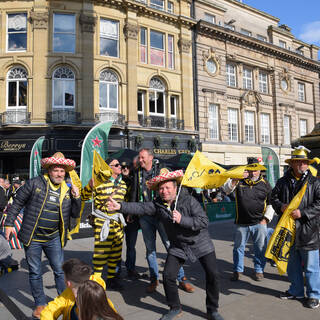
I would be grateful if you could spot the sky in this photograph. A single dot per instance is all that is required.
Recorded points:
(302, 16)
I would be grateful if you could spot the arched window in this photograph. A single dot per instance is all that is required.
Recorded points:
(156, 97)
(63, 88)
(109, 84)
(17, 85)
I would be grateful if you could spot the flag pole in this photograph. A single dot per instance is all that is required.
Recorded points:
(175, 205)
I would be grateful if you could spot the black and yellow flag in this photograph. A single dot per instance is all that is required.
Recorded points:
(100, 170)
(283, 236)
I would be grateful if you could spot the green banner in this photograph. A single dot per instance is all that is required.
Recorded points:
(271, 162)
(96, 139)
(35, 158)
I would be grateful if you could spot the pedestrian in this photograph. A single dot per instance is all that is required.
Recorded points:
(76, 272)
(187, 230)
(49, 205)
(253, 213)
(93, 304)
(108, 225)
(148, 169)
(3, 197)
(304, 254)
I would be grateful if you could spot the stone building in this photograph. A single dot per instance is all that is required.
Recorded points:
(67, 65)
(256, 84)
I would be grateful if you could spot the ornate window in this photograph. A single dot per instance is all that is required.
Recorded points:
(247, 78)
(109, 86)
(265, 128)
(301, 92)
(63, 88)
(231, 75)
(249, 126)
(109, 38)
(233, 124)
(303, 127)
(156, 97)
(286, 130)
(263, 82)
(17, 32)
(64, 32)
(213, 121)
(17, 85)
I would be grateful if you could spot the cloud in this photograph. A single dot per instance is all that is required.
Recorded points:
(311, 32)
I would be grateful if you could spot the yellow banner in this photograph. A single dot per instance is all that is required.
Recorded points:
(205, 174)
(100, 170)
(75, 179)
(283, 236)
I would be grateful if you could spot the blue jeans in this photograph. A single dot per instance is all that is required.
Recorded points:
(258, 233)
(308, 262)
(54, 253)
(149, 226)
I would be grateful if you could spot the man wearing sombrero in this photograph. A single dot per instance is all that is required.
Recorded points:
(304, 254)
(49, 203)
(186, 225)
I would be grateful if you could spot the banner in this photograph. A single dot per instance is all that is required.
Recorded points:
(283, 236)
(100, 171)
(271, 162)
(96, 139)
(35, 158)
(205, 174)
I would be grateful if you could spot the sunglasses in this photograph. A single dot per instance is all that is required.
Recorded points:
(115, 165)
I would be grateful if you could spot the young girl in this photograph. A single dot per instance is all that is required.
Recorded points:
(93, 304)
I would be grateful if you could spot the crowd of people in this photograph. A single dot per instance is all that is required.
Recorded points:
(142, 194)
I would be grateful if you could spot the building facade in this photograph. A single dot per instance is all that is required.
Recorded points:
(68, 65)
(256, 84)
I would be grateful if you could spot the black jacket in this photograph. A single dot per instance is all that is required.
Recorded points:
(3, 199)
(188, 239)
(307, 227)
(252, 199)
(33, 196)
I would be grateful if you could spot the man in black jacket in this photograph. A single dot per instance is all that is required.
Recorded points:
(254, 211)
(49, 203)
(304, 254)
(186, 225)
(3, 197)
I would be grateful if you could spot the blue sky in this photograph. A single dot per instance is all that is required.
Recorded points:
(303, 17)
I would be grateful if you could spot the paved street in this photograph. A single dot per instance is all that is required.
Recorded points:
(243, 300)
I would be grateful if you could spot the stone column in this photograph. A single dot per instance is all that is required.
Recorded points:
(187, 106)
(39, 17)
(87, 22)
(131, 31)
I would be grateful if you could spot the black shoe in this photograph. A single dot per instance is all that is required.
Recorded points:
(214, 316)
(114, 284)
(172, 314)
(288, 296)
(133, 275)
(312, 303)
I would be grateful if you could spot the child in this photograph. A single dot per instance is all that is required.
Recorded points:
(93, 304)
(76, 272)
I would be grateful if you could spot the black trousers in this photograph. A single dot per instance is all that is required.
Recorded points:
(209, 264)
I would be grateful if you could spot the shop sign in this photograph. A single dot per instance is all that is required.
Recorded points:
(16, 145)
(170, 151)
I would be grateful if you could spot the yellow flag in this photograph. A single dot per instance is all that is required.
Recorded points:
(283, 236)
(199, 172)
(75, 179)
(100, 170)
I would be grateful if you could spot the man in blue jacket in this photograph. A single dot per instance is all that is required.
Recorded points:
(49, 203)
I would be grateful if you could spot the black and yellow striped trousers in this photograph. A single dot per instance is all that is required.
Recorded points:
(108, 251)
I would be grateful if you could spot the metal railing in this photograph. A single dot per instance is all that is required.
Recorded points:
(115, 117)
(63, 117)
(161, 122)
(15, 117)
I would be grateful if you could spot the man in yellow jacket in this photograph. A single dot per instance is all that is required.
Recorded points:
(75, 273)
